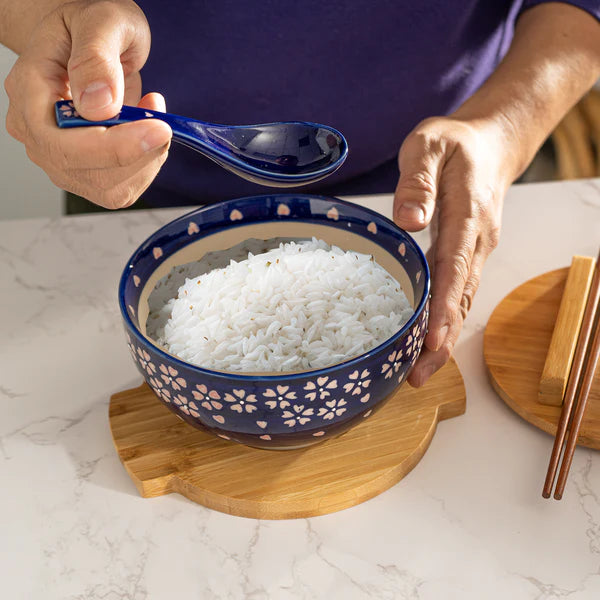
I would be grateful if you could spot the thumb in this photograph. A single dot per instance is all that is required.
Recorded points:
(415, 197)
(106, 46)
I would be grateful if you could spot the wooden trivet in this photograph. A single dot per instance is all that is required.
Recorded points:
(162, 454)
(516, 342)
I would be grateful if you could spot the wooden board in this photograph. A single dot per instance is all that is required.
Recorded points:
(515, 346)
(162, 454)
(559, 358)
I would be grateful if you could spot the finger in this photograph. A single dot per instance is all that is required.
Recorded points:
(141, 181)
(420, 160)
(113, 188)
(102, 41)
(100, 148)
(153, 101)
(14, 124)
(430, 361)
(472, 285)
(85, 147)
(456, 243)
(133, 89)
(430, 253)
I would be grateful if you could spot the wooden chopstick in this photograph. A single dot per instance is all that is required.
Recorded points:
(584, 393)
(579, 366)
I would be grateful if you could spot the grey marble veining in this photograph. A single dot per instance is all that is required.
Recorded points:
(467, 523)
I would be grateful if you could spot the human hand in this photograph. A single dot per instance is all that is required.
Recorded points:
(90, 51)
(454, 174)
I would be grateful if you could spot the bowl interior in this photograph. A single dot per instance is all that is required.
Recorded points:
(338, 223)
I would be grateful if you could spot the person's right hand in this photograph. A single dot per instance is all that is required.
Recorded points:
(90, 51)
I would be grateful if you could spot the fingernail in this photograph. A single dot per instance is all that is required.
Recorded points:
(97, 95)
(153, 140)
(411, 210)
(439, 339)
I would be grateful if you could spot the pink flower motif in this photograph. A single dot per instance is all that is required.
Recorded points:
(209, 400)
(281, 396)
(333, 213)
(169, 376)
(185, 406)
(68, 110)
(333, 408)
(320, 388)
(358, 384)
(298, 415)
(411, 345)
(414, 342)
(157, 385)
(145, 362)
(131, 347)
(393, 365)
(239, 402)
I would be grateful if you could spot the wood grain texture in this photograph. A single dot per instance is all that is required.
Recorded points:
(573, 146)
(555, 375)
(162, 454)
(516, 342)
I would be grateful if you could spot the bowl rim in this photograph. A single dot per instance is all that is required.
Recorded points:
(283, 375)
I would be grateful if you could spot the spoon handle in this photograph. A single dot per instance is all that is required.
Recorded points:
(186, 131)
(67, 116)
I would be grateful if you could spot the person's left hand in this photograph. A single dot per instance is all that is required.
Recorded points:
(453, 174)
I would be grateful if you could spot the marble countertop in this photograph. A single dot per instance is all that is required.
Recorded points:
(467, 523)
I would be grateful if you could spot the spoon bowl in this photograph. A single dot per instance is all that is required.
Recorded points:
(283, 154)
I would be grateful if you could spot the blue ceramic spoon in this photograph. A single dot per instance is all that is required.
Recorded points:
(282, 154)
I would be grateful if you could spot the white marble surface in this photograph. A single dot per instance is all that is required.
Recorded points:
(467, 523)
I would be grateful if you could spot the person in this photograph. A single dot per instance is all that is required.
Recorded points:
(467, 91)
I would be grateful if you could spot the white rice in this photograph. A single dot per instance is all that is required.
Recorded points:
(300, 306)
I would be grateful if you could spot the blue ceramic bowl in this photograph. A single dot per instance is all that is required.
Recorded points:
(283, 410)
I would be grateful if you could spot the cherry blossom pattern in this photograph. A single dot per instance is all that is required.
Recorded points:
(131, 347)
(357, 384)
(239, 402)
(411, 345)
(393, 365)
(320, 389)
(68, 110)
(186, 406)
(170, 376)
(333, 213)
(208, 400)
(145, 362)
(159, 389)
(417, 340)
(299, 415)
(281, 396)
(333, 408)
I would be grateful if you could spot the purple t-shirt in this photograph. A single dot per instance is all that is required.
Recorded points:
(373, 70)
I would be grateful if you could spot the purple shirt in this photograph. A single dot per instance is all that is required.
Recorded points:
(373, 70)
